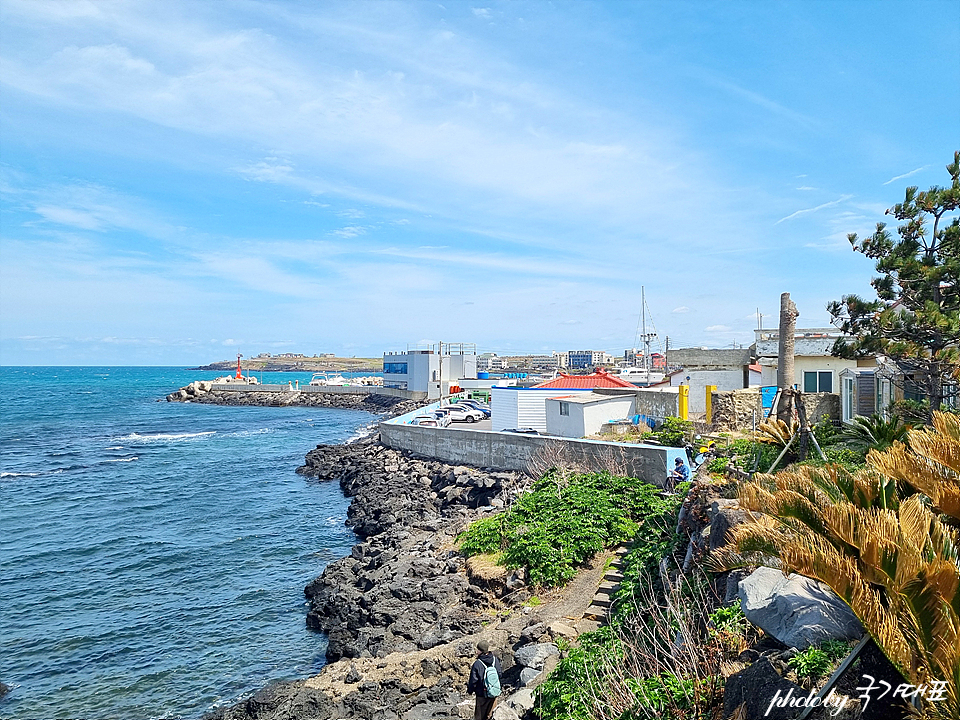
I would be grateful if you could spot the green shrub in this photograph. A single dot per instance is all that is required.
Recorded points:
(729, 618)
(569, 691)
(674, 432)
(661, 693)
(718, 464)
(825, 432)
(751, 455)
(810, 663)
(483, 537)
(817, 661)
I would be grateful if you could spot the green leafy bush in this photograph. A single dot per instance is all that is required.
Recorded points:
(718, 464)
(751, 455)
(662, 692)
(674, 432)
(562, 522)
(825, 432)
(817, 661)
(484, 537)
(568, 693)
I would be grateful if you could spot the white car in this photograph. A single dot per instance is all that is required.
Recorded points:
(432, 420)
(462, 413)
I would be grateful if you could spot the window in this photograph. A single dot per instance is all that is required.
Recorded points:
(816, 381)
(564, 408)
(395, 368)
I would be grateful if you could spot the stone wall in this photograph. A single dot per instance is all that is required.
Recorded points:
(734, 410)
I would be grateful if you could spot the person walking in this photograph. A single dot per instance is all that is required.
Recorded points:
(485, 681)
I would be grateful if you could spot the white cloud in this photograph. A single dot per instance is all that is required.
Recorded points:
(717, 328)
(681, 309)
(906, 175)
(350, 231)
(807, 211)
(482, 13)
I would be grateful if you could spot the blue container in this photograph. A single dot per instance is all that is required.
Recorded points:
(483, 376)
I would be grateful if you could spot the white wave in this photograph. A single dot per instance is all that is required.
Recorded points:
(15, 474)
(164, 437)
(130, 459)
(115, 447)
(247, 433)
(363, 432)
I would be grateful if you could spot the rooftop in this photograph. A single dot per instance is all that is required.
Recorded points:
(598, 379)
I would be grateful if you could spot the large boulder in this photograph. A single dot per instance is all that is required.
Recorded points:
(535, 655)
(796, 610)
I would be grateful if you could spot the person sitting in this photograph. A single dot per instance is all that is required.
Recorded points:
(680, 473)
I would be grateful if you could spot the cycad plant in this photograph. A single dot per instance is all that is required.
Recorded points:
(874, 432)
(891, 555)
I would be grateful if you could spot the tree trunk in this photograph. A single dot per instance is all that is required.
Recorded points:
(785, 369)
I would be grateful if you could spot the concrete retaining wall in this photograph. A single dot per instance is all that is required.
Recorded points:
(514, 451)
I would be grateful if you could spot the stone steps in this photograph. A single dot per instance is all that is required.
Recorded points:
(599, 607)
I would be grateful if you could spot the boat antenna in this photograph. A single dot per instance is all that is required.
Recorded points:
(645, 337)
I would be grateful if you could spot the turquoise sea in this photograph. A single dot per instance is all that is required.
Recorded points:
(152, 554)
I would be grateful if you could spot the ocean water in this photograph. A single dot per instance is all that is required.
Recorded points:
(152, 554)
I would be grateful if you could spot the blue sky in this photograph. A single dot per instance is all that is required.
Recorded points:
(182, 181)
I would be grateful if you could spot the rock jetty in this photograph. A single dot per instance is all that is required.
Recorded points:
(201, 392)
(403, 611)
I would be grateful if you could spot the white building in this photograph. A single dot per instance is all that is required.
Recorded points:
(516, 407)
(579, 415)
(723, 368)
(431, 370)
(815, 369)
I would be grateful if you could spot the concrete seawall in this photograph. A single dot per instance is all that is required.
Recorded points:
(515, 451)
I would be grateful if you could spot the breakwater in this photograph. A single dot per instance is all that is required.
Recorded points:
(348, 398)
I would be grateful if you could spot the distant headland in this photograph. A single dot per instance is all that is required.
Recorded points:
(295, 362)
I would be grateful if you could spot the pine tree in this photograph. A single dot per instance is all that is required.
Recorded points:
(915, 320)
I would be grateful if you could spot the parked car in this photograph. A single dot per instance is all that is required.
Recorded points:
(476, 406)
(462, 413)
(434, 419)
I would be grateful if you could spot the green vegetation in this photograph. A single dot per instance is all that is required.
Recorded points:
(817, 662)
(630, 669)
(883, 537)
(874, 433)
(674, 432)
(562, 522)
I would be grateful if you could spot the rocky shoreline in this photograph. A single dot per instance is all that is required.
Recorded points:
(403, 611)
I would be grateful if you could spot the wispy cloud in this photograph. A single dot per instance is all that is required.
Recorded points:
(807, 211)
(906, 175)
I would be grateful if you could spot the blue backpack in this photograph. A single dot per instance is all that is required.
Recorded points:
(491, 679)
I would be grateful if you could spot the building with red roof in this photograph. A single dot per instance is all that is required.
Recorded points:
(598, 379)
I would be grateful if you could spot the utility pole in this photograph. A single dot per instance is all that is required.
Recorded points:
(785, 366)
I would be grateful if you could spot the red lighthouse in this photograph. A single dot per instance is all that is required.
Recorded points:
(239, 376)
